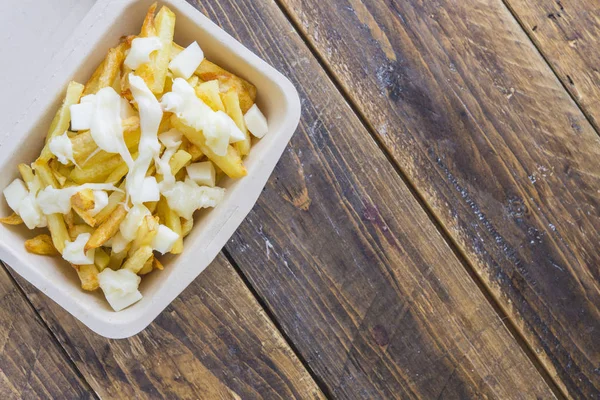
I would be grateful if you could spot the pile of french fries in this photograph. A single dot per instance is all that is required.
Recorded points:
(216, 87)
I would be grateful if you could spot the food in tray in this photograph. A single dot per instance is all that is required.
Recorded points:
(131, 155)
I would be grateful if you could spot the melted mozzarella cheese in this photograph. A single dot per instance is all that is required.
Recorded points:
(150, 117)
(217, 127)
(140, 51)
(120, 287)
(105, 127)
(100, 201)
(53, 201)
(62, 148)
(75, 253)
(187, 197)
(164, 240)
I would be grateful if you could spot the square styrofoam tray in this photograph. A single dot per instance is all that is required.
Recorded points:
(101, 29)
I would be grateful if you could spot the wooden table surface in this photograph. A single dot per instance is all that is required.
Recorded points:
(432, 230)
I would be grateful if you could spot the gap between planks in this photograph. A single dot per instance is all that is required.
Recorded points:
(531, 38)
(66, 356)
(319, 382)
(470, 270)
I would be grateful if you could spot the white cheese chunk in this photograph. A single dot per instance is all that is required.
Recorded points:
(119, 243)
(217, 127)
(256, 122)
(187, 197)
(120, 287)
(141, 48)
(164, 240)
(62, 148)
(186, 62)
(90, 98)
(150, 190)
(132, 221)
(15, 193)
(100, 201)
(81, 115)
(31, 214)
(203, 173)
(74, 251)
(171, 138)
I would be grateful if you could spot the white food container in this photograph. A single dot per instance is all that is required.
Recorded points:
(38, 97)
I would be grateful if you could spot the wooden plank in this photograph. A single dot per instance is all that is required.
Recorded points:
(32, 364)
(479, 124)
(349, 263)
(567, 34)
(213, 342)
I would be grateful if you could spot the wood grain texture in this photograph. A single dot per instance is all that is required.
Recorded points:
(349, 263)
(213, 342)
(567, 33)
(32, 364)
(483, 129)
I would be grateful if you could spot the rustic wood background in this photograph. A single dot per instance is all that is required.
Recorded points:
(431, 231)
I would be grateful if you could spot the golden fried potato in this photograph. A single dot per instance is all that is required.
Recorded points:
(136, 262)
(62, 119)
(88, 275)
(231, 163)
(232, 106)
(42, 245)
(106, 73)
(107, 229)
(12, 219)
(210, 93)
(154, 73)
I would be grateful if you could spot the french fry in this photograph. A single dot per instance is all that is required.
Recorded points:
(210, 93)
(154, 72)
(231, 163)
(208, 71)
(117, 174)
(180, 159)
(186, 226)
(107, 229)
(157, 264)
(27, 174)
(77, 229)
(56, 222)
(106, 73)
(86, 151)
(193, 80)
(69, 220)
(84, 199)
(116, 260)
(88, 275)
(172, 221)
(145, 234)
(85, 216)
(136, 262)
(96, 172)
(148, 27)
(12, 219)
(232, 105)
(191, 148)
(101, 259)
(42, 245)
(147, 268)
(114, 199)
(62, 119)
